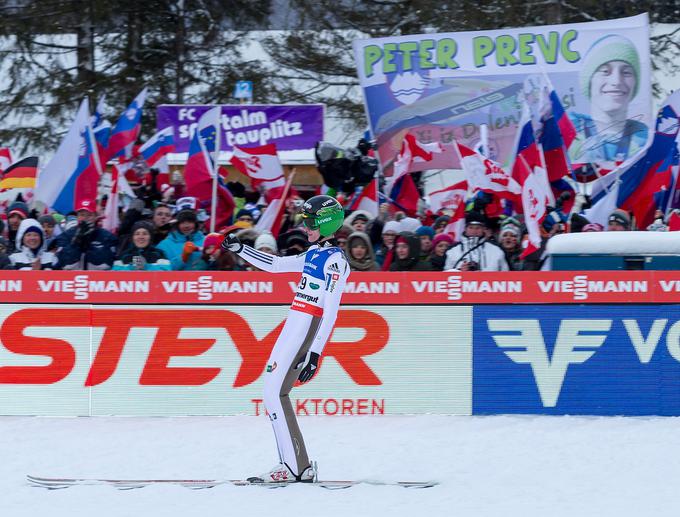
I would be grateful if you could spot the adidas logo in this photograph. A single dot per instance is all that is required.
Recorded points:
(334, 267)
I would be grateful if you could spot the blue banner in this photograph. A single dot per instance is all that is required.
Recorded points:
(576, 359)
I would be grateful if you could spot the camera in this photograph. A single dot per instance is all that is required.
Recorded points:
(345, 169)
(473, 266)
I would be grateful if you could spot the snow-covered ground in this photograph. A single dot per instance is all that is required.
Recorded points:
(510, 466)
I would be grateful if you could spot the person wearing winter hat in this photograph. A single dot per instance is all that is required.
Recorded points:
(141, 254)
(30, 245)
(510, 237)
(183, 244)
(85, 245)
(610, 78)
(618, 221)
(245, 216)
(266, 243)
(441, 243)
(425, 234)
(360, 253)
(409, 224)
(16, 212)
(440, 223)
(474, 252)
(358, 220)
(382, 250)
(407, 254)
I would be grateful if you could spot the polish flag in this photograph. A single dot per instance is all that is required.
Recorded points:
(412, 154)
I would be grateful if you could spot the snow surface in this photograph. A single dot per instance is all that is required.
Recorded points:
(500, 465)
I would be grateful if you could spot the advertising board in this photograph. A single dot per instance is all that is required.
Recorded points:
(192, 360)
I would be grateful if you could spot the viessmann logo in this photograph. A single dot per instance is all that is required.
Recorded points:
(205, 287)
(581, 286)
(577, 341)
(17, 336)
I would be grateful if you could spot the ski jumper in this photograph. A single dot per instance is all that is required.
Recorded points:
(307, 328)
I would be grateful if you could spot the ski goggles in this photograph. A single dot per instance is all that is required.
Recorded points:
(310, 222)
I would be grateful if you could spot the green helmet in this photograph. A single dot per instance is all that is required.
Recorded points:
(323, 213)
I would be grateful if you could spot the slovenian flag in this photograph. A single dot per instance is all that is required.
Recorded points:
(198, 171)
(127, 129)
(21, 174)
(71, 176)
(536, 194)
(643, 176)
(155, 150)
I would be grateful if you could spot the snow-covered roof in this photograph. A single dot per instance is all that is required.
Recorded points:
(296, 157)
(615, 243)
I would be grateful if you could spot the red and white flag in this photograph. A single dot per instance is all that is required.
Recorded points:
(412, 154)
(111, 220)
(367, 200)
(486, 175)
(261, 165)
(452, 199)
(536, 196)
(270, 220)
(5, 158)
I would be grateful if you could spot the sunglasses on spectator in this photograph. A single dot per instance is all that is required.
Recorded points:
(246, 218)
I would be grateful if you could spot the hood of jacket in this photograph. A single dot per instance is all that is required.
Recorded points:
(25, 226)
(366, 263)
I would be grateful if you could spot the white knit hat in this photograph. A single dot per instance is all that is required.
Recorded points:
(409, 224)
(266, 240)
(391, 226)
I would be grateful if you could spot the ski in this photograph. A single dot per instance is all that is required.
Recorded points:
(198, 484)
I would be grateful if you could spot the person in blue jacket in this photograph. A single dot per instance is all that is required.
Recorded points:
(86, 246)
(182, 246)
(141, 254)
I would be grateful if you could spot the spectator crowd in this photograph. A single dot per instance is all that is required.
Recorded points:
(160, 233)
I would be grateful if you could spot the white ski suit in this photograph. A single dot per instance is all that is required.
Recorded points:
(307, 328)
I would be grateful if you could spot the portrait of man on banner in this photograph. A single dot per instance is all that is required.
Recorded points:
(610, 79)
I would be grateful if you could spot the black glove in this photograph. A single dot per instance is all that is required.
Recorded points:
(84, 234)
(231, 243)
(310, 366)
(237, 188)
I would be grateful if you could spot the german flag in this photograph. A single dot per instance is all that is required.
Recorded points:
(21, 174)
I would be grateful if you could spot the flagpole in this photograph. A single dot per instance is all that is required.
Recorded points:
(215, 167)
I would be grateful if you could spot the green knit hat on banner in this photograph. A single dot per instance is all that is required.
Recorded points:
(609, 48)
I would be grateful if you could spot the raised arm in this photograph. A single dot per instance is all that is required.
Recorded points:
(264, 261)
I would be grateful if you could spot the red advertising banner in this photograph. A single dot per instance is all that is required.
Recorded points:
(258, 288)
